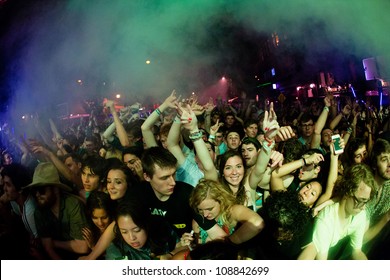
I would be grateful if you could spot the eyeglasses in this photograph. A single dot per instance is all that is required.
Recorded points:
(358, 203)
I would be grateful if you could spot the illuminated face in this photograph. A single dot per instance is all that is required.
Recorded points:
(326, 137)
(249, 153)
(383, 166)
(209, 208)
(9, 189)
(130, 160)
(251, 131)
(360, 154)
(233, 171)
(357, 202)
(100, 218)
(91, 181)
(309, 194)
(132, 234)
(307, 128)
(233, 140)
(116, 184)
(163, 181)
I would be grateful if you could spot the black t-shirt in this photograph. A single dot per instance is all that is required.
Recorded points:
(176, 209)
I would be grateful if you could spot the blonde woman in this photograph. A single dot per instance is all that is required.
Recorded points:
(211, 201)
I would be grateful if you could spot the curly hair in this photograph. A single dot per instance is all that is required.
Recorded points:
(353, 176)
(283, 210)
(213, 190)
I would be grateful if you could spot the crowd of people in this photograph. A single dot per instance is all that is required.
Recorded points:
(250, 181)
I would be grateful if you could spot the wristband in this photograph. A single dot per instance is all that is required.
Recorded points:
(349, 130)
(158, 111)
(270, 142)
(212, 137)
(196, 135)
(326, 108)
(177, 119)
(268, 146)
(304, 161)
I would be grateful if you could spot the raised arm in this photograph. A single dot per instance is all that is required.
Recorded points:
(190, 122)
(174, 139)
(38, 148)
(278, 174)
(147, 126)
(120, 129)
(320, 124)
(332, 177)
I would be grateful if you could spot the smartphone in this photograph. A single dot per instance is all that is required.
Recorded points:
(337, 148)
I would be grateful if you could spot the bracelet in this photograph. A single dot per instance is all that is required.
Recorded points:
(349, 130)
(326, 108)
(177, 119)
(158, 111)
(268, 146)
(196, 135)
(170, 254)
(304, 161)
(212, 137)
(270, 142)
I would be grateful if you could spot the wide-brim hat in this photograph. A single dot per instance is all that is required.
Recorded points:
(46, 174)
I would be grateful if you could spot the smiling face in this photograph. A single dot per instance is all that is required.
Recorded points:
(209, 208)
(116, 184)
(233, 172)
(131, 233)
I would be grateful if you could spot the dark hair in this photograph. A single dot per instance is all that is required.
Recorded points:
(380, 146)
(240, 195)
(237, 129)
(350, 149)
(215, 250)
(137, 151)
(19, 175)
(249, 122)
(134, 128)
(97, 164)
(157, 156)
(352, 178)
(116, 164)
(292, 149)
(283, 210)
(250, 140)
(160, 234)
(99, 200)
(306, 117)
